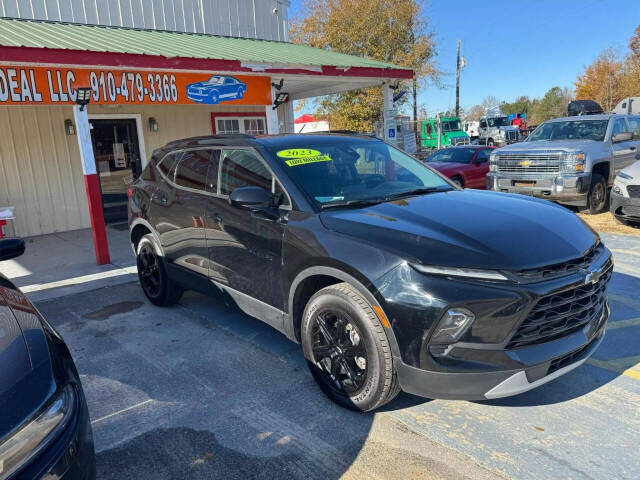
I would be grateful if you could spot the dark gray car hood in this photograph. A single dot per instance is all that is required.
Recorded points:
(470, 228)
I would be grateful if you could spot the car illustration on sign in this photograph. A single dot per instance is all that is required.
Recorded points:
(219, 88)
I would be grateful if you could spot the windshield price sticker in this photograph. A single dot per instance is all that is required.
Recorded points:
(301, 156)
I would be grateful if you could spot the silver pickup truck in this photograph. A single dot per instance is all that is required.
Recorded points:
(571, 160)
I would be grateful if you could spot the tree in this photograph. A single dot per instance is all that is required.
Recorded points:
(520, 105)
(552, 105)
(475, 113)
(602, 81)
(391, 31)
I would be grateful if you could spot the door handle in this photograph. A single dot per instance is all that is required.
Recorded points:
(632, 148)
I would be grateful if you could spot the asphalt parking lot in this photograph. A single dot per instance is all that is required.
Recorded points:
(200, 390)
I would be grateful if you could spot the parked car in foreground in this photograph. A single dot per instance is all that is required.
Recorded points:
(44, 422)
(571, 160)
(625, 195)
(467, 166)
(389, 275)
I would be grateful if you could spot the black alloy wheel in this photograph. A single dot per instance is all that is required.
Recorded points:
(156, 284)
(149, 270)
(347, 349)
(340, 352)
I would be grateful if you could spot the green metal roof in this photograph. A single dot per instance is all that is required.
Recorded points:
(56, 35)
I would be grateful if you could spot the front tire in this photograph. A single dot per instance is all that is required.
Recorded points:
(347, 349)
(458, 181)
(597, 196)
(152, 273)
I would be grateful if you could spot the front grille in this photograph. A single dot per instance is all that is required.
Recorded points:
(562, 313)
(511, 135)
(634, 191)
(528, 163)
(567, 359)
(563, 268)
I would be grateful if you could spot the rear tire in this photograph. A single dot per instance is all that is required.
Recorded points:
(347, 349)
(597, 196)
(152, 273)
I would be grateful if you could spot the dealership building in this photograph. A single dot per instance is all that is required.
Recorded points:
(152, 71)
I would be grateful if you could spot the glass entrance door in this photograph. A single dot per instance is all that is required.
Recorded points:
(116, 148)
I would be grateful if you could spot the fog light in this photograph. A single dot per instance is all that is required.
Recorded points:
(452, 325)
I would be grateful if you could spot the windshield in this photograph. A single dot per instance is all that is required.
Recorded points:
(456, 155)
(498, 121)
(570, 130)
(357, 171)
(451, 126)
(215, 79)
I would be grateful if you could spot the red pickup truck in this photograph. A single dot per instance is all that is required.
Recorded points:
(466, 165)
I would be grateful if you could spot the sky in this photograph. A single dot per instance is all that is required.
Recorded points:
(519, 47)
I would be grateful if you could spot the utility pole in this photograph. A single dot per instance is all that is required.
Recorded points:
(458, 82)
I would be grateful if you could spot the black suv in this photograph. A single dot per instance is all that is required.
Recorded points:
(389, 275)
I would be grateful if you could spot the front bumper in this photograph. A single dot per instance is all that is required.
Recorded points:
(625, 207)
(563, 188)
(505, 383)
(510, 347)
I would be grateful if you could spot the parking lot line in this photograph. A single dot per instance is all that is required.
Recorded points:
(628, 366)
(624, 299)
(629, 322)
(114, 414)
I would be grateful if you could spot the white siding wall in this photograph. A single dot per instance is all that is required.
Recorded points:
(238, 18)
(40, 171)
(40, 168)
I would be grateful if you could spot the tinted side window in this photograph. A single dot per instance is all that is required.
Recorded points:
(242, 168)
(634, 123)
(192, 168)
(619, 126)
(167, 164)
(483, 155)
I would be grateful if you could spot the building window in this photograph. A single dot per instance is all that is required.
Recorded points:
(248, 125)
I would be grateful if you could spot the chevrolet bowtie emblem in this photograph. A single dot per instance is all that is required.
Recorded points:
(525, 163)
(591, 276)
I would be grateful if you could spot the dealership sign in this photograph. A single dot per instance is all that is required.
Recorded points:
(25, 85)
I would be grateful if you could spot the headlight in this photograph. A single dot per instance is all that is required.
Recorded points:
(625, 176)
(573, 162)
(461, 272)
(30, 439)
(452, 325)
(493, 162)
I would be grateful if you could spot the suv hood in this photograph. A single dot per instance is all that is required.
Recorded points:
(469, 229)
(556, 146)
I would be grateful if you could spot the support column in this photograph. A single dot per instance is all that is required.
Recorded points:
(91, 183)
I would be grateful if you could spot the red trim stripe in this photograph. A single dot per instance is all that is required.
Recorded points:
(100, 243)
(53, 56)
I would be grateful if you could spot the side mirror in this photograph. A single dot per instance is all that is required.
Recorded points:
(251, 198)
(11, 248)
(622, 137)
